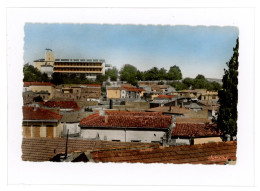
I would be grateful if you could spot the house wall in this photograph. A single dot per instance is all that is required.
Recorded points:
(122, 135)
(207, 140)
(113, 94)
(72, 127)
(38, 65)
(50, 89)
(57, 129)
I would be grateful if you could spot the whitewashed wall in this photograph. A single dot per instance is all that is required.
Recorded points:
(122, 135)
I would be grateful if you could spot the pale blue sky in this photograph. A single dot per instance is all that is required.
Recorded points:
(196, 50)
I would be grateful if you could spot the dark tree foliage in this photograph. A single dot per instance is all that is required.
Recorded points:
(112, 73)
(174, 73)
(128, 73)
(228, 96)
(32, 74)
(140, 76)
(38, 99)
(179, 86)
(188, 82)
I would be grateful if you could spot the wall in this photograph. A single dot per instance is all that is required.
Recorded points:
(113, 94)
(122, 135)
(50, 89)
(57, 128)
(72, 127)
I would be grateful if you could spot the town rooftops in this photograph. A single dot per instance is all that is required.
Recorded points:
(60, 104)
(132, 89)
(43, 149)
(32, 113)
(210, 153)
(192, 120)
(93, 85)
(190, 130)
(73, 117)
(27, 84)
(127, 119)
(166, 109)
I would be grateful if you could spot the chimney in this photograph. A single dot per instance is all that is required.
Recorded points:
(35, 108)
(170, 108)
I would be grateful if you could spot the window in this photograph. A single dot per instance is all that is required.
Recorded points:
(116, 140)
(135, 140)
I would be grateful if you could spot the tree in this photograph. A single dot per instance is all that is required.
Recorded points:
(188, 81)
(228, 96)
(129, 73)
(200, 82)
(112, 73)
(140, 76)
(179, 86)
(31, 74)
(174, 73)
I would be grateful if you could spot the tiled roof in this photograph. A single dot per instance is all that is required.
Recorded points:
(132, 113)
(166, 96)
(94, 85)
(210, 153)
(192, 120)
(132, 89)
(43, 149)
(195, 130)
(40, 114)
(60, 104)
(27, 84)
(132, 119)
(174, 109)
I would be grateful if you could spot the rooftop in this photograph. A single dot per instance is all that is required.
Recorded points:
(195, 130)
(192, 120)
(27, 84)
(127, 119)
(43, 149)
(29, 113)
(210, 153)
(60, 104)
(165, 109)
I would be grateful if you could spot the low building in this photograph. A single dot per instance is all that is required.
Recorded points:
(70, 123)
(39, 122)
(125, 126)
(190, 134)
(36, 87)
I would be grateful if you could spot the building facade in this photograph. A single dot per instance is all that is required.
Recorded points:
(89, 67)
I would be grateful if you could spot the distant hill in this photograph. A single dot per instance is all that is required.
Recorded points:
(214, 80)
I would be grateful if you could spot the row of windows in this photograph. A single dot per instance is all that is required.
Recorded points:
(78, 69)
(77, 64)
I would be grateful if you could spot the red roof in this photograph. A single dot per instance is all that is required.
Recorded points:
(27, 84)
(210, 153)
(132, 89)
(133, 113)
(166, 96)
(40, 114)
(94, 85)
(195, 130)
(192, 120)
(60, 104)
(129, 120)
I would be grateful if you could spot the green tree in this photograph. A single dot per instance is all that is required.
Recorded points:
(179, 86)
(188, 81)
(31, 74)
(101, 78)
(174, 73)
(129, 73)
(162, 73)
(112, 73)
(200, 82)
(228, 96)
(140, 76)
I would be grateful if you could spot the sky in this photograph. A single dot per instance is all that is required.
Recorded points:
(195, 49)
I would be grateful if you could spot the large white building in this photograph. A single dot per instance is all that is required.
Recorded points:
(90, 67)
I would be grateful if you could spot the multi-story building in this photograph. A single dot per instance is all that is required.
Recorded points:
(90, 67)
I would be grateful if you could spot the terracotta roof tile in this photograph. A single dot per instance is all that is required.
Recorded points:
(94, 85)
(166, 96)
(43, 149)
(60, 104)
(195, 130)
(40, 114)
(27, 84)
(131, 119)
(208, 154)
(132, 89)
